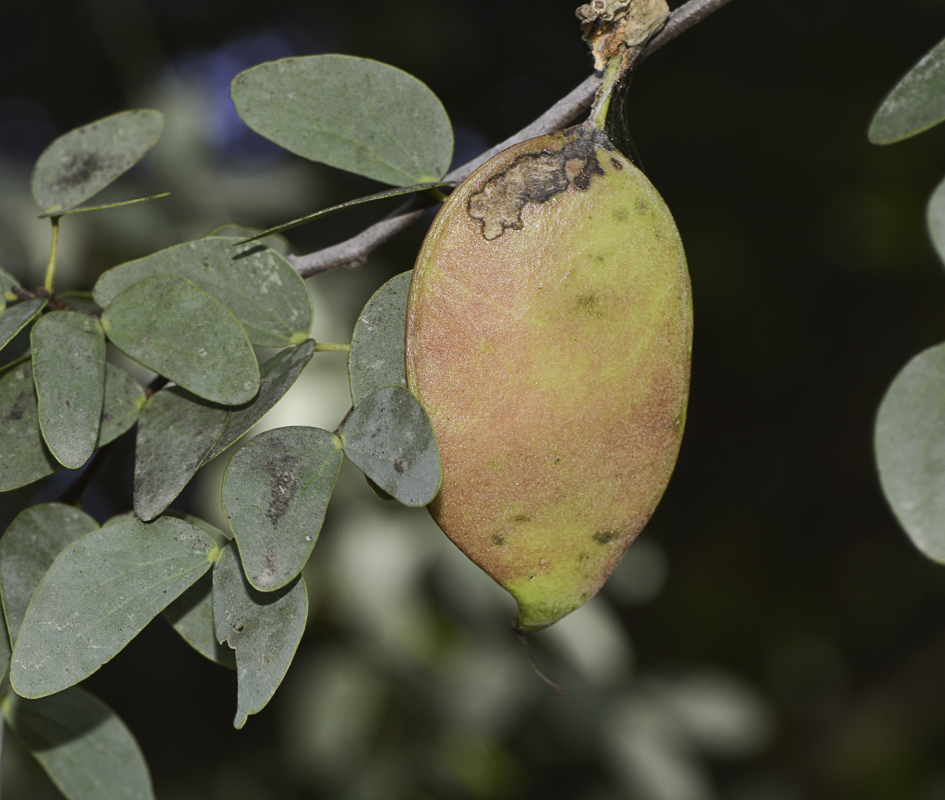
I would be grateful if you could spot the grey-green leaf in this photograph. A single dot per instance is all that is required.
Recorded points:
(16, 317)
(910, 450)
(935, 219)
(275, 492)
(915, 104)
(191, 614)
(257, 285)
(389, 438)
(175, 328)
(276, 377)
(377, 346)
(263, 627)
(24, 457)
(6, 650)
(99, 594)
(69, 371)
(28, 548)
(85, 160)
(81, 744)
(176, 430)
(352, 113)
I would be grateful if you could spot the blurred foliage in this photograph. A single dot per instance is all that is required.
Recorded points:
(773, 635)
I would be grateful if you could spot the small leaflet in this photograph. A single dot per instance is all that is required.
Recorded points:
(99, 594)
(69, 371)
(377, 347)
(82, 162)
(389, 438)
(264, 628)
(275, 492)
(16, 317)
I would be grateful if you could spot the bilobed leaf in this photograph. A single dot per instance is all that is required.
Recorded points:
(81, 744)
(389, 438)
(176, 430)
(276, 377)
(377, 346)
(69, 371)
(170, 325)
(85, 160)
(15, 318)
(24, 457)
(257, 285)
(352, 113)
(275, 492)
(99, 593)
(910, 450)
(915, 104)
(191, 614)
(264, 628)
(29, 547)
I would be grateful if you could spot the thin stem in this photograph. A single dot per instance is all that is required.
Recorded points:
(354, 251)
(612, 74)
(528, 652)
(324, 347)
(51, 268)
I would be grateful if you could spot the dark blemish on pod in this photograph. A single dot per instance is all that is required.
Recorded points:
(641, 205)
(522, 518)
(620, 213)
(616, 163)
(604, 537)
(591, 304)
(498, 541)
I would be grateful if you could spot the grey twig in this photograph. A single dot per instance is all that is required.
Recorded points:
(354, 251)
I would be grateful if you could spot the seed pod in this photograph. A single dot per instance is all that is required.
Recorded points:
(549, 331)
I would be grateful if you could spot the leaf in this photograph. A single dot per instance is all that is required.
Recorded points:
(81, 744)
(24, 457)
(910, 450)
(6, 650)
(377, 346)
(915, 104)
(171, 326)
(258, 286)
(276, 377)
(935, 219)
(176, 430)
(352, 113)
(389, 438)
(278, 243)
(15, 318)
(69, 371)
(191, 614)
(275, 492)
(85, 160)
(29, 547)
(99, 594)
(264, 628)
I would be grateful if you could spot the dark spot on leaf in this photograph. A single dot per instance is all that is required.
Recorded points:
(282, 487)
(534, 178)
(238, 628)
(498, 541)
(399, 466)
(79, 168)
(604, 537)
(591, 305)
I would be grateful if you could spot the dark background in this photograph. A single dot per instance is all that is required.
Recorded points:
(787, 578)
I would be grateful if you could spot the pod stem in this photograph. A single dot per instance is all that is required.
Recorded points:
(613, 72)
(51, 267)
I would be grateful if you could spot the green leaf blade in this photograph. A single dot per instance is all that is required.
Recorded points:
(915, 104)
(170, 325)
(389, 438)
(910, 450)
(352, 113)
(81, 744)
(377, 346)
(275, 493)
(69, 371)
(82, 162)
(258, 286)
(176, 430)
(16, 317)
(99, 593)
(191, 615)
(28, 548)
(264, 628)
